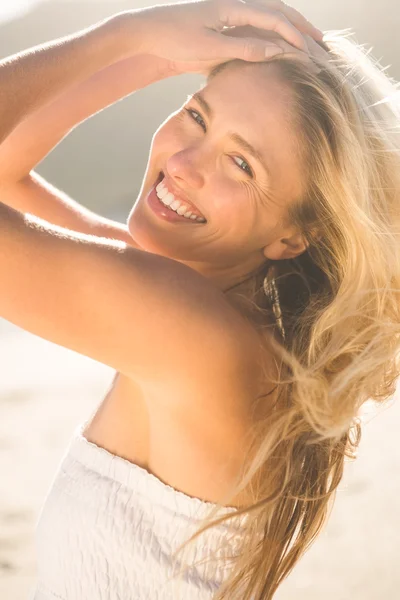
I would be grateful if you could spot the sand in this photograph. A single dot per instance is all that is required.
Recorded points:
(46, 390)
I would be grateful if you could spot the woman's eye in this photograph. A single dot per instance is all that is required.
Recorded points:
(192, 112)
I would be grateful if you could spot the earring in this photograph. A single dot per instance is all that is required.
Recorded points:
(271, 291)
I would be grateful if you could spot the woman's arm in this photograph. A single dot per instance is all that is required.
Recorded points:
(36, 196)
(134, 311)
(137, 312)
(49, 69)
(42, 130)
(26, 191)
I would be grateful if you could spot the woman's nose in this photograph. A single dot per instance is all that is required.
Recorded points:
(185, 167)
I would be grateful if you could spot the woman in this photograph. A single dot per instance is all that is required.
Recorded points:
(249, 307)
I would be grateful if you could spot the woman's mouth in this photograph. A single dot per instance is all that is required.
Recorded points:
(166, 206)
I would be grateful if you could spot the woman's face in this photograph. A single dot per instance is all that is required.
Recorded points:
(243, 198)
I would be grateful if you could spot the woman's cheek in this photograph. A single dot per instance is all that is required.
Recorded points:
(223, 201)
(169, 140)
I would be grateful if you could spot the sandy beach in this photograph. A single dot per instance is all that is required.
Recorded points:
(47, 390)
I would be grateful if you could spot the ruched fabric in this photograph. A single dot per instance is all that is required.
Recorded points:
(108, 528)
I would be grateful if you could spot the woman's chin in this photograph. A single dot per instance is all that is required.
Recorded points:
(143, 234)
(158, 240)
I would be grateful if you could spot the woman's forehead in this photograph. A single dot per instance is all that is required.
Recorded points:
(255, 102)
(248, 78)
(251, 97)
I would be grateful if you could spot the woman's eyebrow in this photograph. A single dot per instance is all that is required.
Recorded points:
(235, 137)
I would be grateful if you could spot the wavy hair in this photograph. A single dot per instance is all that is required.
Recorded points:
(340, 307)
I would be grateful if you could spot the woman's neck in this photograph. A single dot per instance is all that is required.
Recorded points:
(248, 295)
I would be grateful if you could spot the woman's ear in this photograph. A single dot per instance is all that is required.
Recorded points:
(286, 247)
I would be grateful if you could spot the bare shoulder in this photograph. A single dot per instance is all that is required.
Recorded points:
(225, 345)
(225, 360)
(147, 316)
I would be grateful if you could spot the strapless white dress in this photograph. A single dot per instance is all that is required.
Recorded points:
(108, 528)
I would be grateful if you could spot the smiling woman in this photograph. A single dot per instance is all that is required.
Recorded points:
(204, 160)
(245, 342)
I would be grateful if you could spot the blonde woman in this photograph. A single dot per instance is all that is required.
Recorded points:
(249, 306)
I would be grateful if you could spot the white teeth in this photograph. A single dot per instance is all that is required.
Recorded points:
(169, 200)
(174, 205)
(161, 190)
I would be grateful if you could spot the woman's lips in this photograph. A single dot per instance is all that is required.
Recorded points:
(162, 211)
(181, 197)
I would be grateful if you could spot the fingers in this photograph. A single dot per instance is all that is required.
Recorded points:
(316, 50)
(256, 45)
(249, 49)
(295, 17)
(290, 51)
(253, 52)
(248, 31)
(256, 49)
(236, 12)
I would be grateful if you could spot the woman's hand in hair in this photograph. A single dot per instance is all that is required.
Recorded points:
(196, 36)
(316, 50)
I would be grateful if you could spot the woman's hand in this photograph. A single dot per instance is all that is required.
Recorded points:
(195, 36)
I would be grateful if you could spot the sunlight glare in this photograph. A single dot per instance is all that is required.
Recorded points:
(10, 9)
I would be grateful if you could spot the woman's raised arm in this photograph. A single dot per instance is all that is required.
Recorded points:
(43, 129)
(29, 143)
(37, 76)
(72, 78)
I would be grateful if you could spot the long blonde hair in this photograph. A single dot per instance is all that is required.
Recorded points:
(340, 308)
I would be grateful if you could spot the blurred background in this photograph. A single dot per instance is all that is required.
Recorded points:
(46, 390)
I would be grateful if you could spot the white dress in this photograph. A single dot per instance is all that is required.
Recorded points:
(108, 528)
